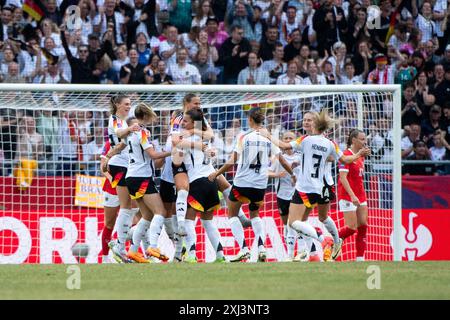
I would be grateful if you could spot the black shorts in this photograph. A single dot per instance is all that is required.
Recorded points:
(203, 195)
(178, 169)
(310, 200)
(254, 197)
(327, 195)
(283, 206)
(138, 187)
(118, 175)
(167, 191)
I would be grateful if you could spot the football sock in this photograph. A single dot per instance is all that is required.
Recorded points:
(214, 237)
(139, 234)
(346, 232)
(331, 228)
(155, 230)
(305, 229)
(238, 231)
(181, 206)
(360, 241)
(106, 238)
(289, 237)
(258, 229)
(190, 238)
(123, 224)
(168, 226)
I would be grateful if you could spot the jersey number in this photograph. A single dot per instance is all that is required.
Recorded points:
(316, 165)
(257, 163)
(130, 152)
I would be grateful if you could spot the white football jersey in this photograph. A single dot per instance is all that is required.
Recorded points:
(114, 124)
(254, 153)
(140, 164)
(315, 151)
(197, 163)
(283, 186)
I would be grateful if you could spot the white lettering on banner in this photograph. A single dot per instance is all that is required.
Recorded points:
(48, 245)
(63, 246)
(24, 236)
(93, 239)
(415, 242)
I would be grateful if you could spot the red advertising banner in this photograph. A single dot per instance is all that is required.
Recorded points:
(426, 234)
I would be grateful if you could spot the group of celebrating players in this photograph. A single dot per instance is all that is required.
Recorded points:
(190, 184)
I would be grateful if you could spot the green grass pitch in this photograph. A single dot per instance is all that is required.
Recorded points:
(399, 280)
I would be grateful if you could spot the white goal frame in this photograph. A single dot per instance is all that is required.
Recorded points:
(395, 90)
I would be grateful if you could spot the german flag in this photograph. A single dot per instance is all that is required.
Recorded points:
(35, 8)
(393, 21)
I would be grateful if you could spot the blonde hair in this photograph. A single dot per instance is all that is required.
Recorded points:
(323, 122)
(144, 110)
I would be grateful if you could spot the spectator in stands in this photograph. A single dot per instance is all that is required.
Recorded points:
(30, 150)
(202, 43)
(254, 73)
(141, 18)
(92, 151)
(383, 73)
(330, 24)
(205, 66)
(412, 135)
(276, 66)
(293, 48)
(424, 21)
(87, 16)
(47, 125)
(82, 69)
(169, 47)
(315, 77)
(13, 75)
(204, 11)
(52, 12)
(411, 111)
(8, 58)
(240, 14)
(7, 29)
(68, 152)
(439, 152)
(8, 137)
(233, 55)
(180, 14)
(52, 74)
(216, 37)
(108, 19)
(122, 59)
(433, 123)
(290, 77)
(445, 61)
(421, 152)
(441, 87)
(143, 49)
(133, 72)
(268, 43)
(161, 77)
(48, 29)
(183, 72)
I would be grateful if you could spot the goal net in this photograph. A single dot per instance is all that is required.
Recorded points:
(52, 135)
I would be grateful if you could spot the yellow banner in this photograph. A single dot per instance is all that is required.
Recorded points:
(88, 191)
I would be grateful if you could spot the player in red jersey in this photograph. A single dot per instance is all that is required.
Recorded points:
(352, 196)
(111, 206)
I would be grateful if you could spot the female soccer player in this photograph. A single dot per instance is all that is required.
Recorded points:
(203, 194)
(315, 149)
(111, 206)
(285, 191)
(118, 130)
(175, 172)
(323, 206)
(352, 196)
(252, 154)
(142, 188)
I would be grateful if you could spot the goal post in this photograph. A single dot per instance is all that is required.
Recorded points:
(56, 206)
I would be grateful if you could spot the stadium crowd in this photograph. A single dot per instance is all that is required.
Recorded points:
(225, 42)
